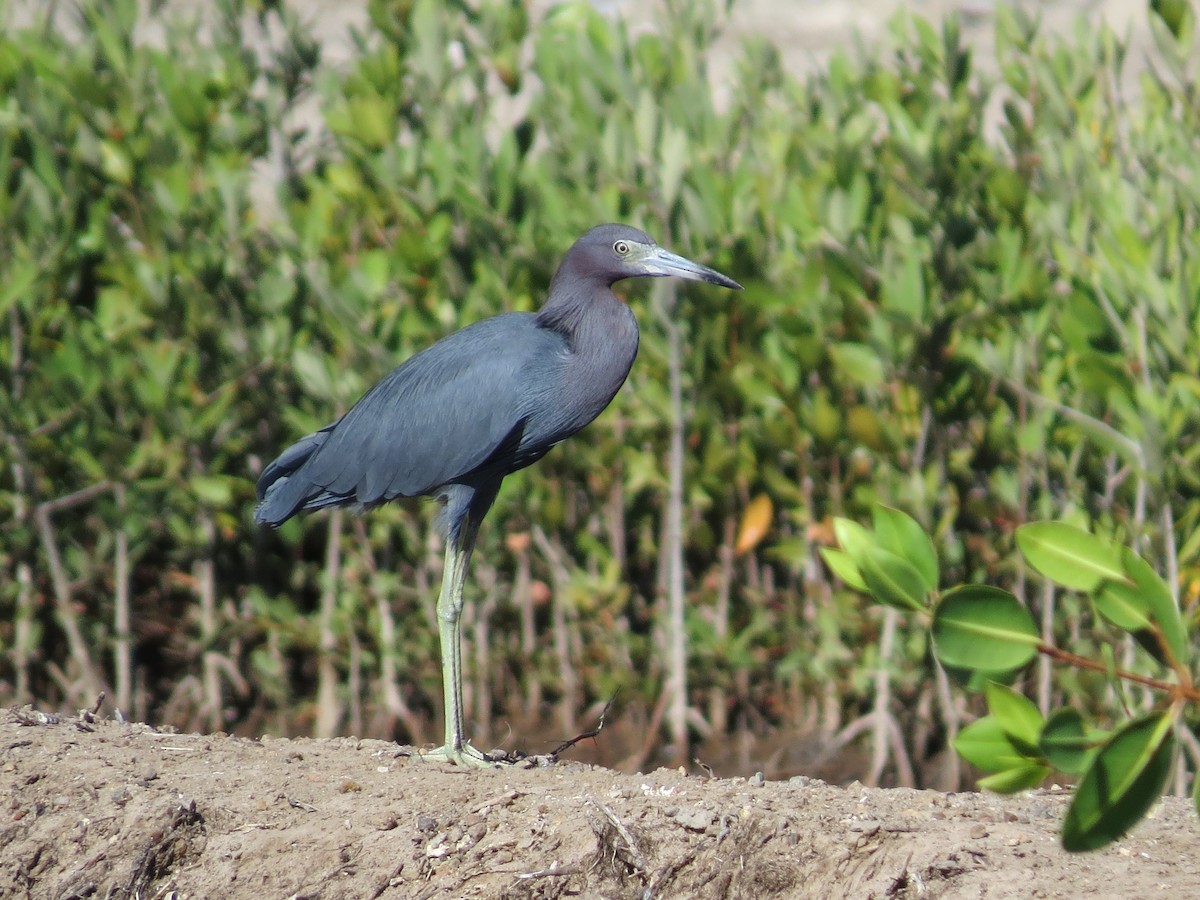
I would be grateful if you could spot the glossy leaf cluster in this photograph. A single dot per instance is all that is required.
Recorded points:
(982, 633)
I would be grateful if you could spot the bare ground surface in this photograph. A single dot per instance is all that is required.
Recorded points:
(105, 809)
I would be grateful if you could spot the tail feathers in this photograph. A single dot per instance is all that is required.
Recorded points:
(283, 489)
(289, 496)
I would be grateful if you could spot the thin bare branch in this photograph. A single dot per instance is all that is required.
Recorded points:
(1091, 423)
(64, 607)
(77, 498)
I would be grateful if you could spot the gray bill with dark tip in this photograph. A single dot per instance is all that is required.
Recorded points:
(664, 262)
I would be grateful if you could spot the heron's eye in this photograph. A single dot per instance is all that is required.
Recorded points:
(620, 248)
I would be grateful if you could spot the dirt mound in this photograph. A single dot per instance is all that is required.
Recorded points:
(105, 809)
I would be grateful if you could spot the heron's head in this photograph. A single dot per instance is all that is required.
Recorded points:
(613, 252)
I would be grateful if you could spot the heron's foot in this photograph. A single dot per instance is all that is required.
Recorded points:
(466, 756)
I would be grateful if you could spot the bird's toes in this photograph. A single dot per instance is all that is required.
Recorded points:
(466, 756)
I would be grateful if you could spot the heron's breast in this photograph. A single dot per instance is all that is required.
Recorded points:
(595, 377)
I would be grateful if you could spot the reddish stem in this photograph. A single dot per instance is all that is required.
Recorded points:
(1176, 691)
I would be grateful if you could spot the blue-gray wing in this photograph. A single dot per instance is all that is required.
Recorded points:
(457, 409)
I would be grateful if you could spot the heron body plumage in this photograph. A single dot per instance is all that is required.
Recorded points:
(452, 421)
(479, 404)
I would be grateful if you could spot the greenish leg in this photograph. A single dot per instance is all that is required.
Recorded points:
(449, 611)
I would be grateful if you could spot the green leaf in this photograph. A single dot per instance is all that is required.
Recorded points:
(1123, 605)
(852, 538)
(1178, 16)
(1064, 743)
(645, 123)
(1017, 715)
(904, 289)
(843, 567)
(983, 628)
(116, 163)
(1018, 778)
(18, 281)
(1069, 556)
(374, 271)
(892, 580)
(858, 363)
(370, 120)
(212, 490)
(903, 535)
(975, 682)
(312, 369)
(674, 153)
(985, 745)
(1124, 780)
(1157, 598)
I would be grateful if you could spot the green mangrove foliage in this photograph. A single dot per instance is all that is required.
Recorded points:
(212, 240)
(987, 638)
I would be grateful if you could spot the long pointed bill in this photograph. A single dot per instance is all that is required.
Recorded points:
(664, 262)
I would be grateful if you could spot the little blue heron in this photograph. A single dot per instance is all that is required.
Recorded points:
(488, 400)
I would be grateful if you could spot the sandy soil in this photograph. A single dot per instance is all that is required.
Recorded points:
(103, 809)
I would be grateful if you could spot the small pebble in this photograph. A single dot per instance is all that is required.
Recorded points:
(693, 818)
